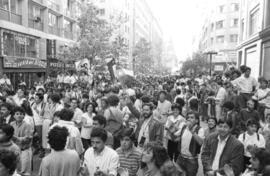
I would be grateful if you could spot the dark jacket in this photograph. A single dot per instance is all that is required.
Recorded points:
(233, 154)
(156, 130)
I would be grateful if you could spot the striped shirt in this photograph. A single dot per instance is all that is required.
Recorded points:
(130, 161)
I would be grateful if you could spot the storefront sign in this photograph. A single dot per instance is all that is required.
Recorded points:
(13, 62)
(59, 64)
(219, 68)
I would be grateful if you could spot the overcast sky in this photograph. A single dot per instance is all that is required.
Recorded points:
(180, 21)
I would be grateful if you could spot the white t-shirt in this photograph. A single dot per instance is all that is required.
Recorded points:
(245, 84)
(86, 132)
(251, 140)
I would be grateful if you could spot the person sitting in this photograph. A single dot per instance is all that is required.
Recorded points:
(61, 161)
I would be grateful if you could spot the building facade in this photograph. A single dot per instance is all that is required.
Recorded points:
(31, 34)
(220, 32)
(254, 40)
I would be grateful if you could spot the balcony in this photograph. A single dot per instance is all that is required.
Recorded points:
(54, 30)
(70, 14)
(54, 6)
(10, 16)
(32, 23)
(68, 34)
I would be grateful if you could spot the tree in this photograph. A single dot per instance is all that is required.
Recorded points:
(142, 59)
(196, 64)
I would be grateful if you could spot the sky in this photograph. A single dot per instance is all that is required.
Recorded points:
(180, 21)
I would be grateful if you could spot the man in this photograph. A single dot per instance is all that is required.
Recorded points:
(164, 107)
(5, 80)
(211, 126)
(38, 113)
(129, 155)
(74, 138)
(61, 161)
(77, 118)
(99, 121)
(23, 135)
(100, 159)
(149, 129)
(5, 110)
(8, 163)
(219, 99)
(229, 113)
(248, 113)
(190, 137)
(246, 86)
(222, 149)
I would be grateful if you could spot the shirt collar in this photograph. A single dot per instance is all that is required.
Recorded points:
(225, 140)
(63, 122)
(101, 153)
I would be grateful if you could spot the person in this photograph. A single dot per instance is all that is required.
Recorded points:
(154, 156)
(8, 163)
(106, 160)
(23, 135)
(61, 161)
(171, 126)
(129, 155)
(229, 113)
(171, 169)
(114, 117)
(77, 117)
(19, 97)
(211, 127)
(222, 148)
(74, 138)
(163, 107)
(248, 113)
(219, 99)
(87, 124)
(6, 116)
(246, 86)
(149, 129)
(99, 121)
(190, 136)
(250, 139)
(265, 131)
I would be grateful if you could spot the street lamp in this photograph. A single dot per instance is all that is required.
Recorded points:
(211, 53)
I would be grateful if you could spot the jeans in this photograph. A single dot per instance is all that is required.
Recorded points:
(173, 150)
(190, 166)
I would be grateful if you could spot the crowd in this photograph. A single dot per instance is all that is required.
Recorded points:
(165, 126)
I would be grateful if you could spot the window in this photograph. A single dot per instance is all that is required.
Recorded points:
(20, 45)
(212, 40)
(234, 7)
(4, 4)
(234, 38)
(67, 25)
(220, 39)
(102, 11)
(34, 11)
(219, 24)
(32, 48)
(234, 22)
(8, 40)
(212, 26)
(221, 9)
(52, 20)
(254, 22)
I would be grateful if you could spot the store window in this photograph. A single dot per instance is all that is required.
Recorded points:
(32, 48)
(8, 41)
(20, 45)
(4, 4)
(254, 22)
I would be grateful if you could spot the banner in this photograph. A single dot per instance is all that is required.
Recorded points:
(16, 62)
(83, 65)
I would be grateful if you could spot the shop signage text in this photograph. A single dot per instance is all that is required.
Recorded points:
(12, 62)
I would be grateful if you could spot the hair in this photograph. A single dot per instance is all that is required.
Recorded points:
(263, 156)
(86, 106)
(160, 155)
(252, 122)
(113, 100)
(227, 121)
(18, 109)
(6, 105)
(57, 138)
(243, 68)
(3, 99)
(146, 99)
(128, 132)
(180, 101)
(178, 91)
(229, 105)
(162, 92)
(212, 118)
(177, 106)
(27, 108)
(9, 160)
(66, 114)
(8, 130)
(100, 133)
(41, 89)
(101, 119)
(85, 96)
(40, 96)
(55, 98)
(74, 99)
(57, 114)
(194, 104)
(170, 169)
(148, 104)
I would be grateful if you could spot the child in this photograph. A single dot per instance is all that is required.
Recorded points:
(23, 138)
(251, 139)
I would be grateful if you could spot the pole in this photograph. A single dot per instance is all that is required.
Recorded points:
(210, 71)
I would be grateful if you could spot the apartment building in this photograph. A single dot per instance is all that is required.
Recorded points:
(220, 32)
(31, 34)
(254, 40)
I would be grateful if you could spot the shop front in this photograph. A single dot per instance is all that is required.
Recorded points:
(20, 58)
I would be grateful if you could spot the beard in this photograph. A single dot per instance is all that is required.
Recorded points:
(147, 115)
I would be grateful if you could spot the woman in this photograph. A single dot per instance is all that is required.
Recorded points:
(171, 126)
(153, 158)
(87, 124)
(51, 107)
